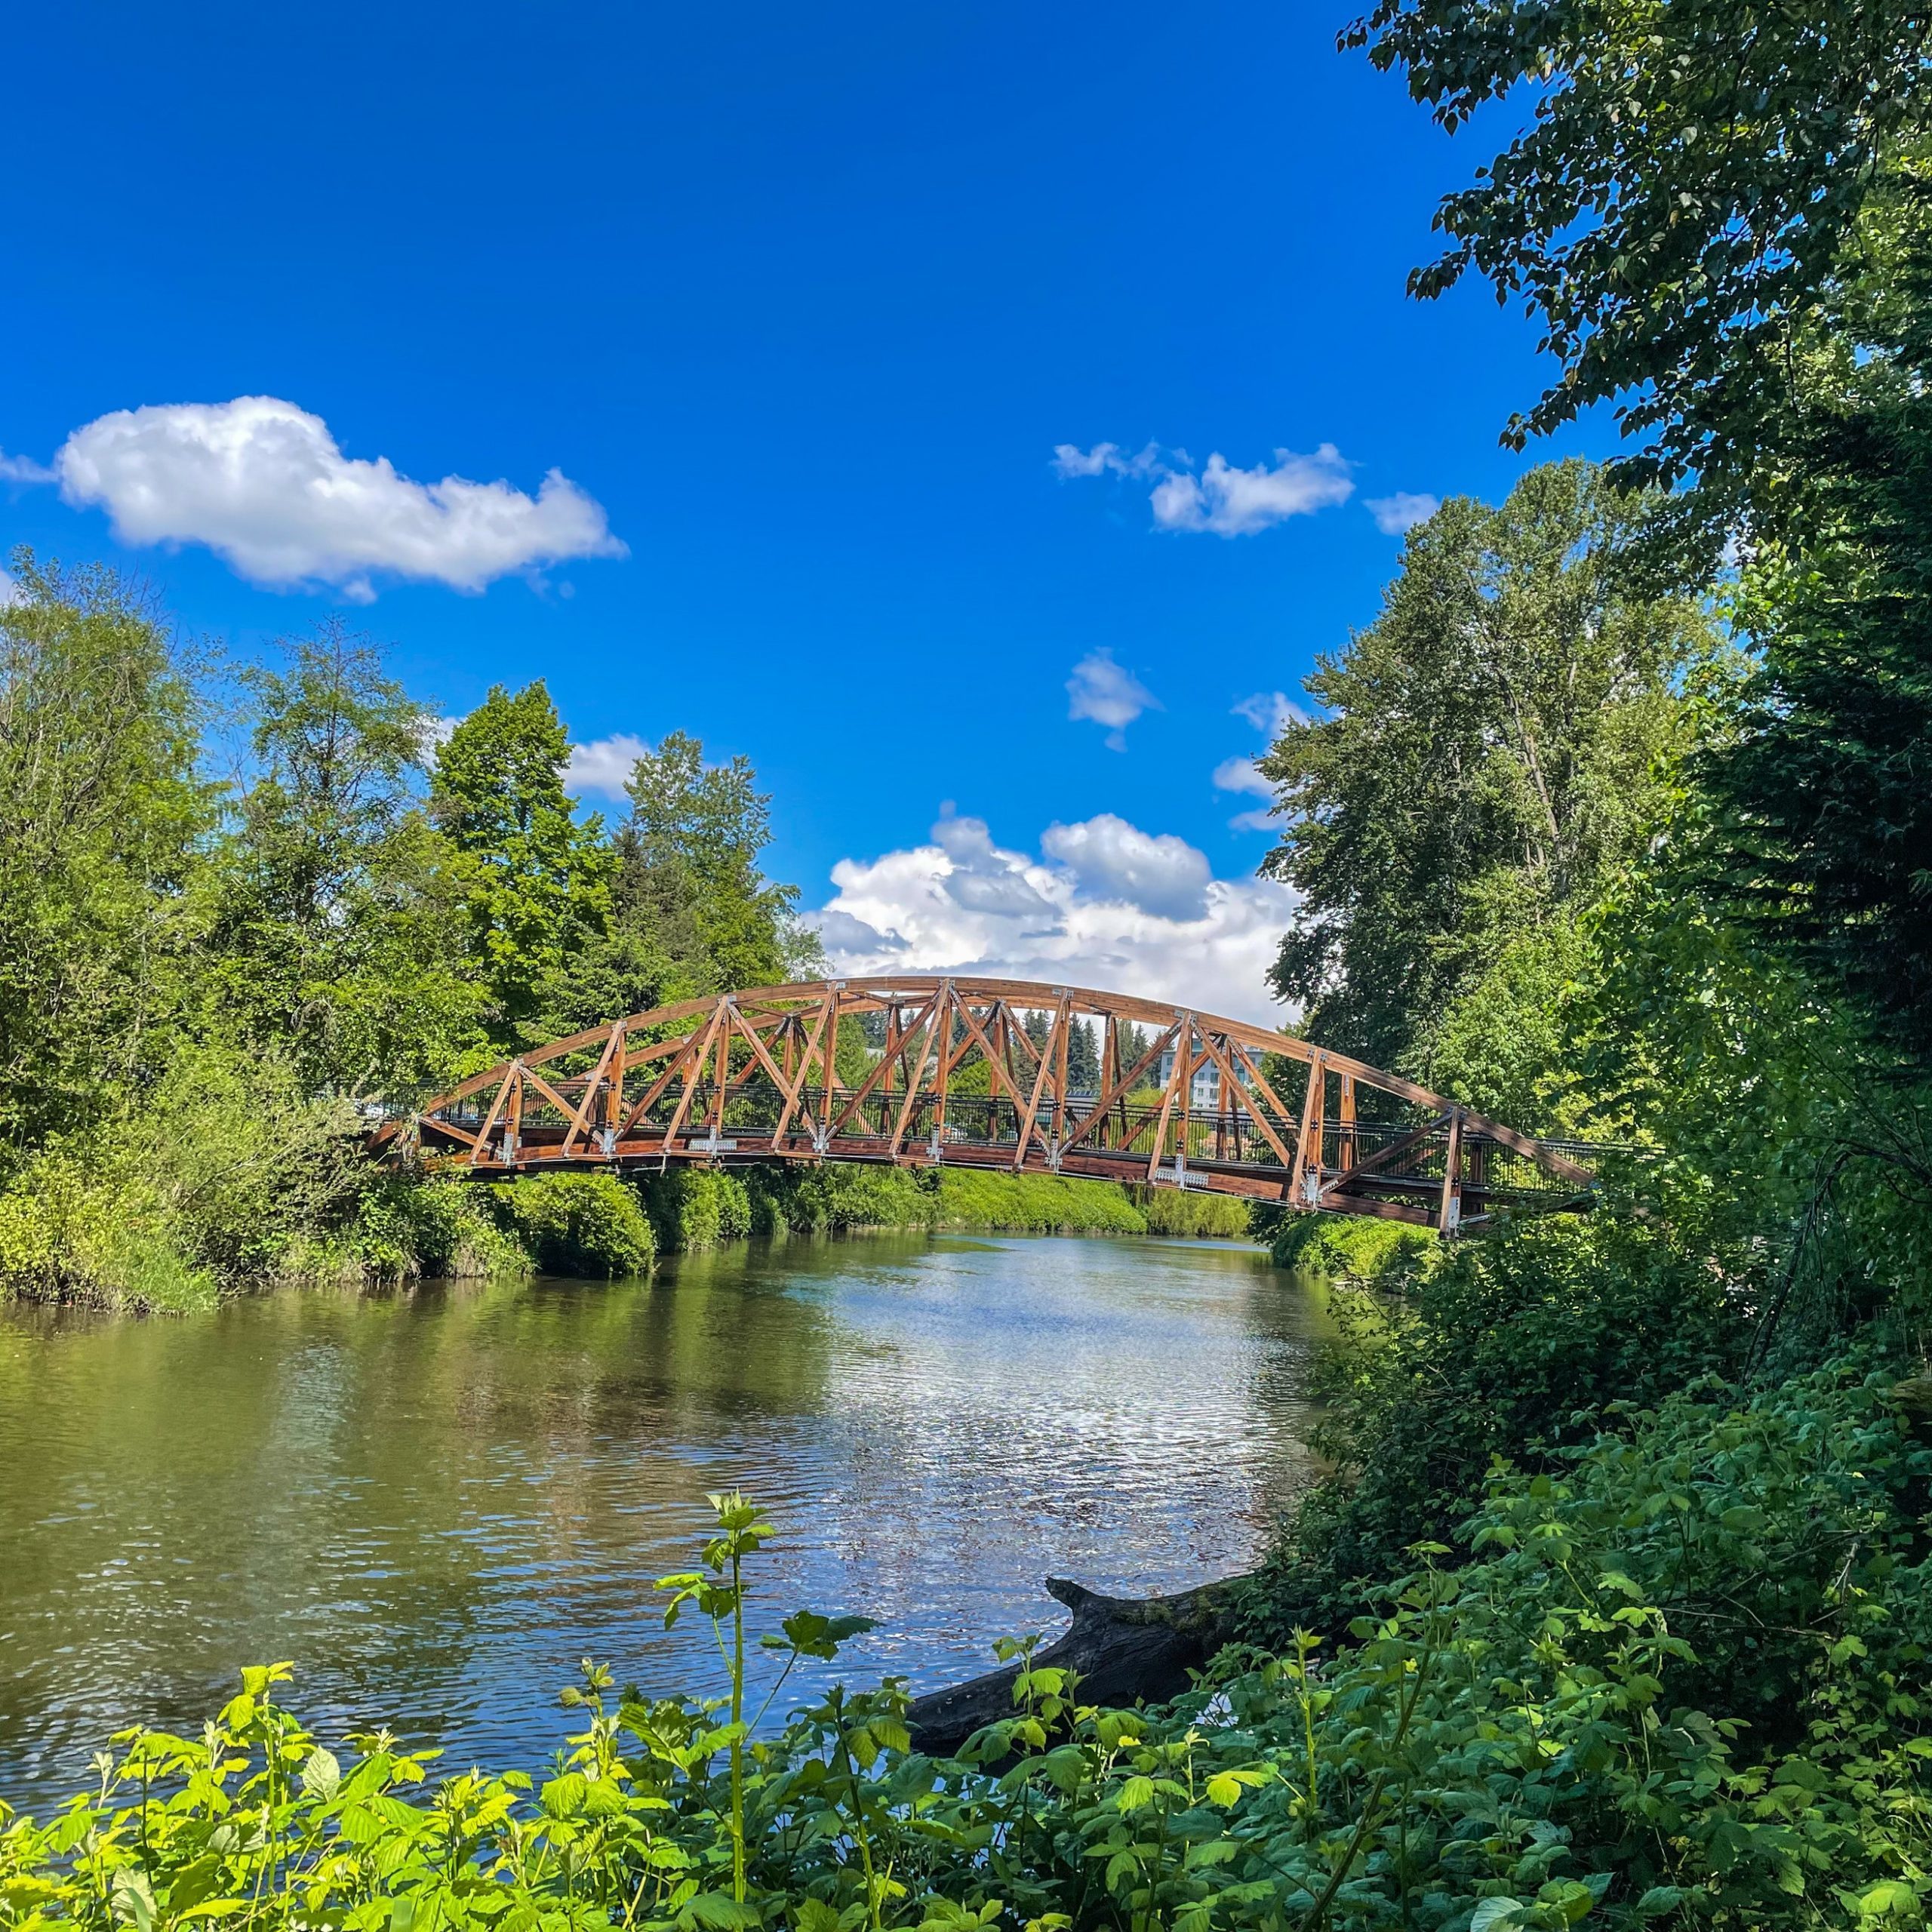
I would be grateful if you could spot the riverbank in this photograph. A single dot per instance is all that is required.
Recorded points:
(1360, 1247)
(388, 1228)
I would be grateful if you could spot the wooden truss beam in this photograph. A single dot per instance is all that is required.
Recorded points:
(730, 1044)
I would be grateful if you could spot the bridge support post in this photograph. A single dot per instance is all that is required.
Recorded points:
(1449, 1211)
(1307, 1136)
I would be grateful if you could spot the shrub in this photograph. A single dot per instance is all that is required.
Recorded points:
(407, 1226)
(1681, 1683)
(1516, 1344)
(227, 1175)
(832, 1199)
(694, 1208)
(1367, 1248)
(1173, 1210)
(73, 1229)
(577, 1224)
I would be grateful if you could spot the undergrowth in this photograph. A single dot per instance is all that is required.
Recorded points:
(1368, 1249)
(576, 1224)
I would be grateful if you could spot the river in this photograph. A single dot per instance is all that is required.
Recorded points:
(434, 1502)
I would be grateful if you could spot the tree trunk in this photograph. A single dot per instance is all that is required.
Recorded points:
(1126, 1651)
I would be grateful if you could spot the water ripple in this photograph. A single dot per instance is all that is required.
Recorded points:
(436, 1503)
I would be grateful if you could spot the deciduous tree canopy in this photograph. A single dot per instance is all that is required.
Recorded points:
(1483, 760)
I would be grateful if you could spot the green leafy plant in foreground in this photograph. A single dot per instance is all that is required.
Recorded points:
(1678, 1682)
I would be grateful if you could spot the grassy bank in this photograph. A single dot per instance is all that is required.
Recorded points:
(696, 1208)
(1354, 1246)
(114, 1237)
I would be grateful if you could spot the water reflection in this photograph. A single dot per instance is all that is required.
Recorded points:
(435, 1502)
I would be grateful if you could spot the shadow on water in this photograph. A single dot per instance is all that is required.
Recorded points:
(435, 1502)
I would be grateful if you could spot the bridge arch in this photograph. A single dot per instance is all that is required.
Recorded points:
(974, 1072)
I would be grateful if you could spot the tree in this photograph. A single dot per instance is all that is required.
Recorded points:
(1083, 1059)
(1484, 759)
(696, 832)
(1825, 775)
(99, 912)
(1723, 215)
(535, 882)
(337, 937)
(1678, 212)
(691, 912)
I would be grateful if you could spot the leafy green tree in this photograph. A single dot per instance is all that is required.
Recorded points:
(535, 881)
(691, 912)
(339, 936)
(1679, 211)
(1484, 761)
(694, 839)
(1822, 773)
(1722, 217)
(100, 862)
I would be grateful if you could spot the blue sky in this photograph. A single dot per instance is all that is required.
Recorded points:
(800, 303)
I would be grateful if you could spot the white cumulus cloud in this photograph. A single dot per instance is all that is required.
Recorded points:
(1102, 690)
(603, 765)
(10, 590)
(1232, 502)
(1107, 905)
(264, 485)
(1403, 511)
(1222, 499)
(1110, 858)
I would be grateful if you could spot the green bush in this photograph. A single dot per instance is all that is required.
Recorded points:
(227, 1176)
(1173, 1210)
(1517, 1345)
(1367, 1248)
(577, 1224)
(1681, 1683)
(406, 1227)
(75, 1228)
(694, 1208)
(832, 1199)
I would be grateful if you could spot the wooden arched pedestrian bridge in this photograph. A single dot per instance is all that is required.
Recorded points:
(914, 1070)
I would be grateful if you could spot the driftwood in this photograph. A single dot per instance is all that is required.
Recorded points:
(1127, 1650)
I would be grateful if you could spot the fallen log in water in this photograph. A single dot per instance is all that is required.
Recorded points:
(1126, 1651)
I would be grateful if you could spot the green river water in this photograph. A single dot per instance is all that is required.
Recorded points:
(435, 1503)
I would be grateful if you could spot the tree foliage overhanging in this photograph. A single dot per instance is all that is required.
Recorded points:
(1710, 941)
(1718, 212)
